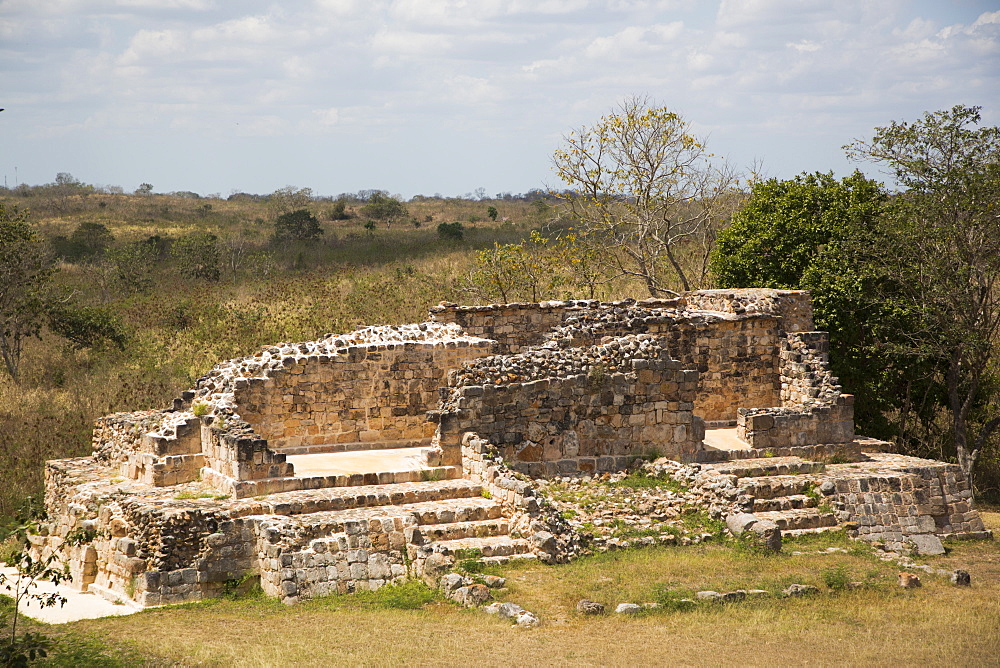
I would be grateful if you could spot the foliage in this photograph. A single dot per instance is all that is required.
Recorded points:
(26, 269)
(126, 268)
(451, 231)
(492, 213)
(339, 210)
(197, 255)
(298, 225)
(645, 184)
(383, 208)
(18, 650)
(943, 256)
(785, 225)
(87, 240)
(86, 326)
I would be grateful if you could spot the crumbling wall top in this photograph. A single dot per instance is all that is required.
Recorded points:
(793, 306)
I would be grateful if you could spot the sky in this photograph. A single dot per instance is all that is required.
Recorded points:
(450, 96)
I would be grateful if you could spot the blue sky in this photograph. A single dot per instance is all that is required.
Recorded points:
(447, 96)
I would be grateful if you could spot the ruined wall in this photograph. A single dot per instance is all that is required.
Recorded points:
(793, 426)
(794, 307)
(918, 497)
(366, 395)
(340, 556)
(735, 356)
(515, 327)
(812, 411)
(554, 411)
(160, 448)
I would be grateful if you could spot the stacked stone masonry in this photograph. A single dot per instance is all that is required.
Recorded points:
(179, 504)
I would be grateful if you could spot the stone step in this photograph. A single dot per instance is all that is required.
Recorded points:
(499, 561)
(453, 519)
(790, 502)
(804, 532)
(345, 498)
(270, 486)
(458, 530)
(768, 466)
(448, 511)
(773, 487)
(359, 446)
(804, 518)
(494, 546)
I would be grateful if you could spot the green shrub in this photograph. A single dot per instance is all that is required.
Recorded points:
(451, 231)
(836, 578)
(298, 225)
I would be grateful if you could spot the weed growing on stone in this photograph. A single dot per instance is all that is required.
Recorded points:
(640, 479)
(196, 495)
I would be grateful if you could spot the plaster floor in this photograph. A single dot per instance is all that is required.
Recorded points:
(724, 439)
(79, 605)
(360, 461)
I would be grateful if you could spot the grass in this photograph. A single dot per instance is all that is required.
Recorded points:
(639, 479)
(879, 624)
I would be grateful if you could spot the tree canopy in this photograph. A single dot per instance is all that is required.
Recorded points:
(383, 208)
(643, 183)
(26, 267)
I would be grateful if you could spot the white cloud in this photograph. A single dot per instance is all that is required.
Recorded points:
(406, 71)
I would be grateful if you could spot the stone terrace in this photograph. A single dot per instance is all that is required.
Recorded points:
(361, 459)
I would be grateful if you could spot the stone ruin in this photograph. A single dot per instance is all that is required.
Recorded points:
(366, 458)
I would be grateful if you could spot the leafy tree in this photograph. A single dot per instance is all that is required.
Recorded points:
(944, 254)
(816, 233)
(492, 213)
(298, 225)
(451, 231)
(85, 326)
(785, 225)
(67, 179)
(384, 209)
(144, 189)
(291, 197)
(126, 267)
(644, 183)
(26, 269)
(339, 210)
(86, 241)
(197, 255)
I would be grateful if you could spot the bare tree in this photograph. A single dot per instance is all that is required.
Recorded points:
(641, 182)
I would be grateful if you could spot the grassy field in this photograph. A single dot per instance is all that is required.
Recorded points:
(877, 625)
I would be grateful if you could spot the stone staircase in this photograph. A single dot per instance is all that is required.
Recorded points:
(378, 530)
(783, 492)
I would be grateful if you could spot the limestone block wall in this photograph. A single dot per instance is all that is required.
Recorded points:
(515, 327)
(793, 306)
(793, 426)
(554, 411)
(812, 410)
(367, 394)
(736, 356)
(158, 447)
(236, 452)
(340, 556)
(803, 366)
(920, 496)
